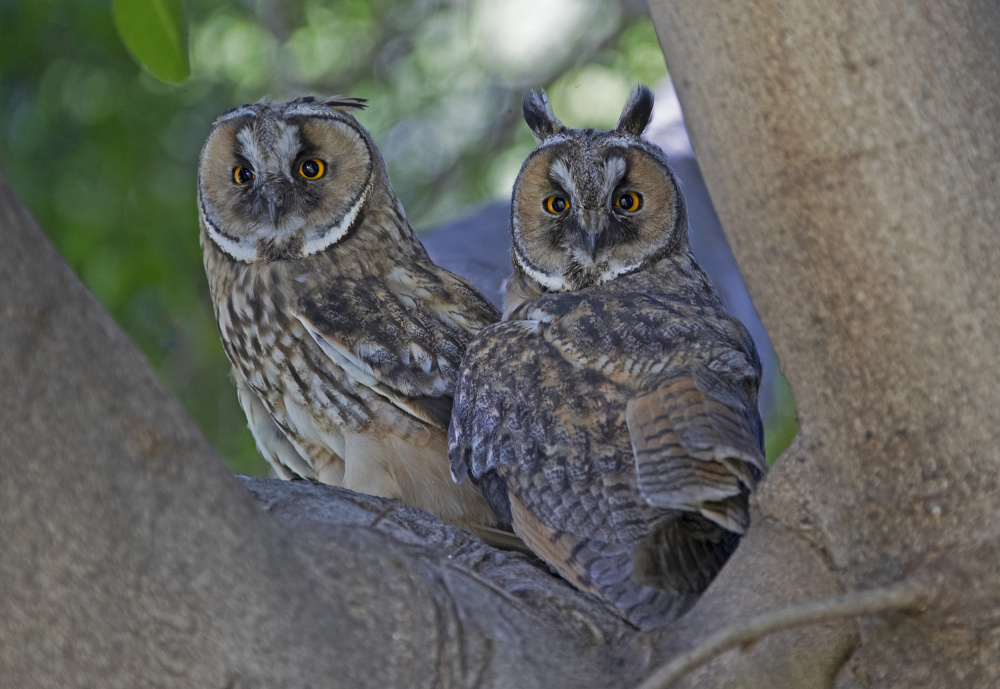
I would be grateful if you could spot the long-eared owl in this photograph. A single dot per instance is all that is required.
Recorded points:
(345, 339)
(612, 417)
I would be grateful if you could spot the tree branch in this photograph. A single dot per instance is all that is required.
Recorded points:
(907, 596)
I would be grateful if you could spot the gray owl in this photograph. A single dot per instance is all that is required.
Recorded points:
(345, 339)
(612, 417)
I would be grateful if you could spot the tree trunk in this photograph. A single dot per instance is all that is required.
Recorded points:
(852, 150)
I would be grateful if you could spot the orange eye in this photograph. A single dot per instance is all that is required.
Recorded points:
(629, 201)
(312, 168)
(242, 175)
(556, 204)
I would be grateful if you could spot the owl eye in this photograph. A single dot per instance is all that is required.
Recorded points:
(629, 201)
(556, 204)
(312, 168)
(242, 175)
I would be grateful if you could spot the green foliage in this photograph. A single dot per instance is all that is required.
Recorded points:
(153, 31)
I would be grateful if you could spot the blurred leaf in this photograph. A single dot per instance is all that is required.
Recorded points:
(153, 31)
(784, 424)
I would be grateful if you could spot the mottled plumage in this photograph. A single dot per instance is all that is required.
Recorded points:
(612, 418)
(345, 338)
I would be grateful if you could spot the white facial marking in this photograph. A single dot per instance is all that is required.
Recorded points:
(612, 272)
(578, 255)
(244, 249)
(334, 233)
(286, 150)
(614, 170)
(248, 144)
(554, 283)
(554, 139)
(238, 112)
(551, 282)
(613, 138)
(561, 173)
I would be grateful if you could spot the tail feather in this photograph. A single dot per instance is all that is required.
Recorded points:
(628, 577)
(683, 554)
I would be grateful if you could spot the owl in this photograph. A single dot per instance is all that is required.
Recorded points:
(612, 415)
(344, 338)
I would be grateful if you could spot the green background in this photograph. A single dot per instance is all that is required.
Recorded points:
(104, 154)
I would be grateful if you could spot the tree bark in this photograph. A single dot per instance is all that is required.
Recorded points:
(852, 151)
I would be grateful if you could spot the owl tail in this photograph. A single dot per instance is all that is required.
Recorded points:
(609, 571)
(647, 592)
(684, 553)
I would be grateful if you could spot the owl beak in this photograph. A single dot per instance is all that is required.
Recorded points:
(589, 229)
(275, 209)
(275, 202)
(588, 241)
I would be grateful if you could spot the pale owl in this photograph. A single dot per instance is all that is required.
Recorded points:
(345, 339)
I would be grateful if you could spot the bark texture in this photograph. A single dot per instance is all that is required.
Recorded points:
(852, 150)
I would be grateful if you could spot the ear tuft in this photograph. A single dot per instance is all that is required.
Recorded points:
(341, 103)
(637, 112)
(538, 114)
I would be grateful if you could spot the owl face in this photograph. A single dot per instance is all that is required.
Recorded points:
(285, 180)
(589, 206)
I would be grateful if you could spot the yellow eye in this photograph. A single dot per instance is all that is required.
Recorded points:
(629, 201)
(556, 204)
(242, 175)
(312, 168)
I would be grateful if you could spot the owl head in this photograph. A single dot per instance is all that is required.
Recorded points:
(589, 206)
(286, 180)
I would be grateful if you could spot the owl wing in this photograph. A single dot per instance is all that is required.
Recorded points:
(501, 435)
(544, 438)
(408, 354)
(541, 422)
(272, 441)
(495, 388)
(693, 421)
(542, 433)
